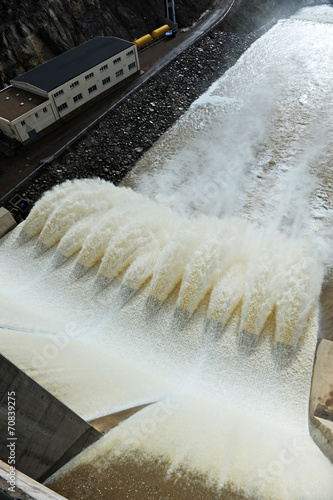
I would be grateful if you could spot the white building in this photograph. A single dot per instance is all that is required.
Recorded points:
(46, 94)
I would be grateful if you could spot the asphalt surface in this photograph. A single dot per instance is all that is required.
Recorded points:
(18, 169)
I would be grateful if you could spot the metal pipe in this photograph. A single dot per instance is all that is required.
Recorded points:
(173, 11)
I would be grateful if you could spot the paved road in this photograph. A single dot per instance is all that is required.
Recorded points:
(16, 170)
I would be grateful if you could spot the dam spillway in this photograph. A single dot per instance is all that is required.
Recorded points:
(226, 259)
(197, 288)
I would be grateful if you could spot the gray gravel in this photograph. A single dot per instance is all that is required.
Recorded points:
(111, 149)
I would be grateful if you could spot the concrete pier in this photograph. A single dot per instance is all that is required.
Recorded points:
(7, 222)
(321, 399)
(107, 422)
(44, 433)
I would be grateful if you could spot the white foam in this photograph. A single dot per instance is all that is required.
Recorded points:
(318, 14)
(220, 231)
(258, 142)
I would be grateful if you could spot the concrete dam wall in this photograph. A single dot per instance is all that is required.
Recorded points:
(39, 433)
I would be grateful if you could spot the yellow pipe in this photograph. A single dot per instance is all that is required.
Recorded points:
(140, 42)
(160, 31)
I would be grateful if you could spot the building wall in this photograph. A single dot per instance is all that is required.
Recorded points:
(28, 87)
(36, 120)
(95, 81)
(71, 95)
(7, 128)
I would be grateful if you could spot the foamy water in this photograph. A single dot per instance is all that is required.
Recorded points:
(258, 143)
(197, 290)
(320, 14)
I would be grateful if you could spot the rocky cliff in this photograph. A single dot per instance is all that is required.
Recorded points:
(33, 31)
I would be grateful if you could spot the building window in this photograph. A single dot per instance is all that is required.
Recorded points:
(74, 84)
(130, 53)
(57, 94)
(115, 61)
(77, 98)
(119, 73)
(92, 89)
(132, 65)
(62, 106)
(103, 68)
(22, 123)
(90, 75)
(36, 115)
(45, 110)
(106, 80)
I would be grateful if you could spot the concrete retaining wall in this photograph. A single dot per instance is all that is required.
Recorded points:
(46, 433)
(321, 399)
(25, 487)
(322, 434)
(7, 222)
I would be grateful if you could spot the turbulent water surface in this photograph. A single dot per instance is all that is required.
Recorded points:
(196, 285)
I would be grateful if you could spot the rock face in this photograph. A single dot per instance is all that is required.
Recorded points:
(33, 31)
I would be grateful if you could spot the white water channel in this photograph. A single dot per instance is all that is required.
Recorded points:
(197, 287)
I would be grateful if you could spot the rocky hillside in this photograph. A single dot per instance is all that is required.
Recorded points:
(33, 31)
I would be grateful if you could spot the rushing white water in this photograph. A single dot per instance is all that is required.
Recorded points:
(199, 288)
(321, 14)
(258, 143)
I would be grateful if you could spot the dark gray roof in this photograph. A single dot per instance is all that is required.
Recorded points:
(67, 66)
